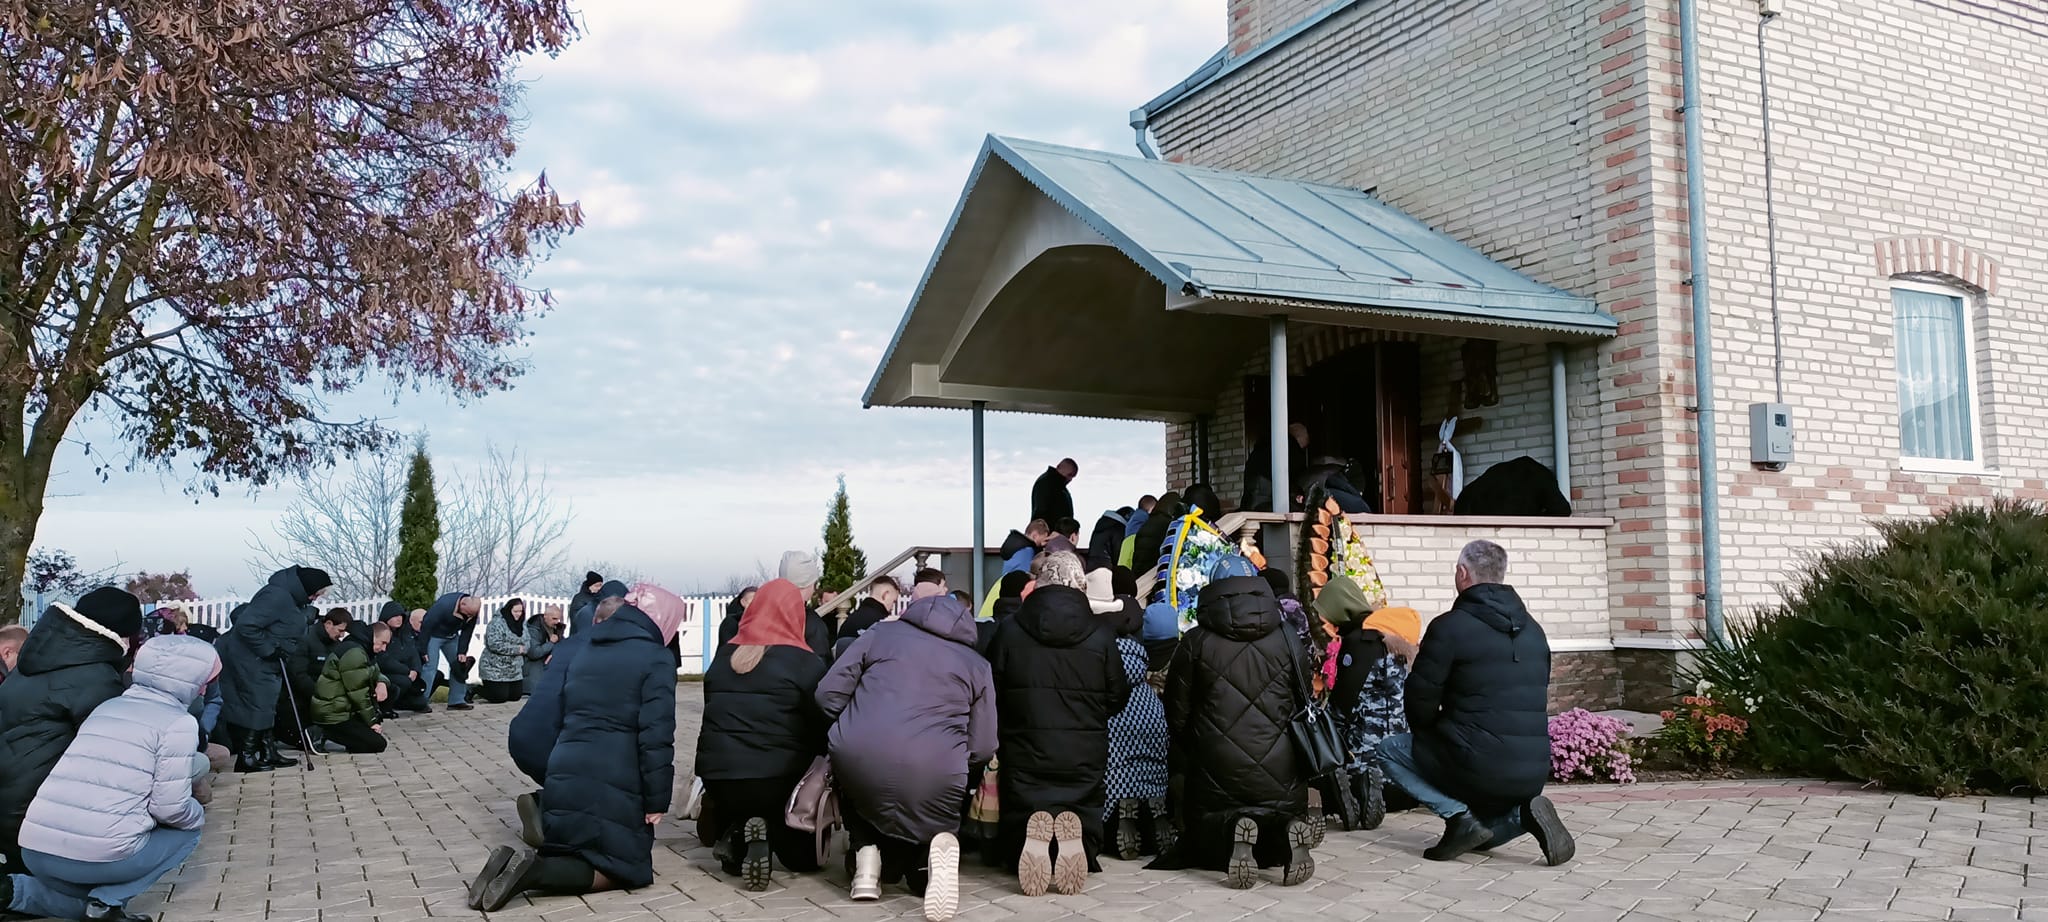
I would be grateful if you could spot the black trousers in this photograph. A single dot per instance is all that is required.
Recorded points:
(735, 802)
(355, 735)
(501, 692)
(405, 693)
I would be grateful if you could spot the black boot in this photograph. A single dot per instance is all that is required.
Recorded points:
(271, 755)
(248, 757)
(1462, 833)
(1540, 819)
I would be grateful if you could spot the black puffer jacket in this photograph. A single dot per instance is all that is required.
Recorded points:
(1106, 540)
(1478, 700)
(1230, 690)
(262, 633)
(66, 669)
(763, 723)
(307, 662)
(1058, 679)
(403, 654)
(614, 761)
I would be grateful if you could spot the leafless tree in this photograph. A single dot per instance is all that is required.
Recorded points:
(503, 531)
(738, 582)
(347, 526)
(620, 572)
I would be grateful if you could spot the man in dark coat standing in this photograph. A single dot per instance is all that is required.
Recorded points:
(450, 624)
(262, 633)
(71, 664)
(1058, 680)
(1477, 703)
(1235, 682)
(1050, 499)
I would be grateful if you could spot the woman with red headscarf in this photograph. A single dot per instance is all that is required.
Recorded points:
(761, 730)
(612, 769)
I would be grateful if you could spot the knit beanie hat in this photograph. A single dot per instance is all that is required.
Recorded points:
(801, 568)
(113, 609)
(1162, 622)
(313, 580)
(1101, 594)
(591, 577)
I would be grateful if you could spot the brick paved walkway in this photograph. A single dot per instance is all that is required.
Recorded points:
(394, 838)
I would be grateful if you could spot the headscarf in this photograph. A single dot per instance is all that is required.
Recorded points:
(775, 619)
(1062, 568)
(505, 612)
(664, 608)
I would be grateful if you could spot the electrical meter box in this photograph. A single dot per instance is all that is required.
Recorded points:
(1770, 434)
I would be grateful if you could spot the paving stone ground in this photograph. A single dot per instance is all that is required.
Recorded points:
(395, 838)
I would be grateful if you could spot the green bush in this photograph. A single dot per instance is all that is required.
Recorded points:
(1918, 660)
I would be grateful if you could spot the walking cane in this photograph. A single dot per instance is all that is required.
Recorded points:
(305, 738)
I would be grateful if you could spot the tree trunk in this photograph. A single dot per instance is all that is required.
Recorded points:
(18, 515)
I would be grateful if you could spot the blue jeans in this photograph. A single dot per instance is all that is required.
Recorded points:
(1397, 759)
(440, 650)
(60, 887)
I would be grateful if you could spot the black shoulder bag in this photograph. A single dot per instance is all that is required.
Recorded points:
(1317, 744)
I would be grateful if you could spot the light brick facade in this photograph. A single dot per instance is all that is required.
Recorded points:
(1911, 139)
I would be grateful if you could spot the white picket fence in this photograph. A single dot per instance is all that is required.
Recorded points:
(699, 633)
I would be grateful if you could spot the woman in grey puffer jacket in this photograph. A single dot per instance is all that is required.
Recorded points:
(117, 812)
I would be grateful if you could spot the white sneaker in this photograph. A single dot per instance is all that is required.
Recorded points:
(693, 808)
(942, 886)
(867, 874)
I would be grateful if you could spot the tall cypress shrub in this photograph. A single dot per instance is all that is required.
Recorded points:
(844, 563)
(419, 528)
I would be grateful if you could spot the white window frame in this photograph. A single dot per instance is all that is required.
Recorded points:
(1969, 300)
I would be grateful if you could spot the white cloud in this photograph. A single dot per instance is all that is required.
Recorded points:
(763, 184)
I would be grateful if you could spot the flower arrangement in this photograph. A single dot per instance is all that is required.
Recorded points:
(1585, 746)
(1192, 550)
(1354, 562)
(1702, 732)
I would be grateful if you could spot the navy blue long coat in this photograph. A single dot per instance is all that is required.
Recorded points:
(615, 761)
(264, 632)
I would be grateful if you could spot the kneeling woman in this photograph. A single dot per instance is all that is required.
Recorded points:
(117, 812)
(612, 770)
(762, 729)
(913, 707)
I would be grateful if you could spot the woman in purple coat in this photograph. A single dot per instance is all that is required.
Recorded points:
(913, 706)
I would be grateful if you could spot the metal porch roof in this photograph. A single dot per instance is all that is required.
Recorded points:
(1221, 243)
(1223, 234)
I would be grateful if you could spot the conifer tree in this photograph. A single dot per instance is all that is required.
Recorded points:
(419, 529)
(844, 563)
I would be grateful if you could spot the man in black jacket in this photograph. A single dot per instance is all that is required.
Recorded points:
(1479, 750)
(400, 662)
(1050, 499)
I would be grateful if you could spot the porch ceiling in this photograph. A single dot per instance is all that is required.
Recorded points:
(1081, 283)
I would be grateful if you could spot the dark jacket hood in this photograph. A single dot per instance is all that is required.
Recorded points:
(59, 642)
(1014, 543)
(393, 609)
(613, 589)
(1498, 607)
(942, 616)
(1058, 616)
(288, 580)
(1241, 608)
(625, 625)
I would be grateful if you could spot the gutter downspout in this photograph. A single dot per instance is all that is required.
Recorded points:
(977, 549)
(1141, 124)
(1702, 325)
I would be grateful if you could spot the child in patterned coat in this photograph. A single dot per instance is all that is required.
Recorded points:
(1375, 651)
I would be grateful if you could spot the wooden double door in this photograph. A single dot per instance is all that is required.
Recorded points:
(1363, 405)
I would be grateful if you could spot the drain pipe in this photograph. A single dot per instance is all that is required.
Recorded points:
(1148, 143)
(1702, 325)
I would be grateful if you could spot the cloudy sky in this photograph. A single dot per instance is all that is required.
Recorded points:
(763, 183)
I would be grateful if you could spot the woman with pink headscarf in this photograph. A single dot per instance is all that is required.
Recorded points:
(612, 769)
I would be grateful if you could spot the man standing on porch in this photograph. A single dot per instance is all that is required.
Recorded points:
(1479, 750)
(1049, 497)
